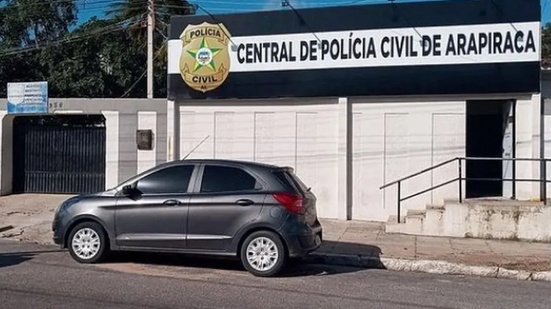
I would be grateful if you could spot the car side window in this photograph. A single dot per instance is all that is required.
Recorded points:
(227, 179)
(174, 179)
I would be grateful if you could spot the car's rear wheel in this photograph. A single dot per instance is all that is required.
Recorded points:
(263, 254)
(87, 243)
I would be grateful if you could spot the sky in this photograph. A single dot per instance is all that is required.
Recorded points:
(97, 7)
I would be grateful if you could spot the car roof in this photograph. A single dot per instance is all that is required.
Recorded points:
(227, 161)
(241, 163)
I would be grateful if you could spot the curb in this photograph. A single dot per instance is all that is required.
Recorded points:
(427, 266)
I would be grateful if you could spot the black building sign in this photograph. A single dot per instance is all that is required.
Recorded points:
(423, 48)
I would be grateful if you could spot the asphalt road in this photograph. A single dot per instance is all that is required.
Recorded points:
(44, 277)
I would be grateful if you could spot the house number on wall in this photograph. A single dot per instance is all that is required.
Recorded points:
(56, 105)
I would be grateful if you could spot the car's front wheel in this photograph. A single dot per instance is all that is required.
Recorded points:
(263, 254)
(88, 243)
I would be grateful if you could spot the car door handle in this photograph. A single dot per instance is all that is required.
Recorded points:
(244, 202)
(172, 202)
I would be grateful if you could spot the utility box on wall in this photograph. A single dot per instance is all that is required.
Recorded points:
(144, 139)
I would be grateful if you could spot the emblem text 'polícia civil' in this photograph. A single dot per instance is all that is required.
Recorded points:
(205, 59)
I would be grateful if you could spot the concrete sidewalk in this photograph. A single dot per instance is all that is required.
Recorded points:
(366, 244)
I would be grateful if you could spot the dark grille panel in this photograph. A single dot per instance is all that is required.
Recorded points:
(59, 154)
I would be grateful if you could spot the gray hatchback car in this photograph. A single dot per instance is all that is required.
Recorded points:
(262, 214)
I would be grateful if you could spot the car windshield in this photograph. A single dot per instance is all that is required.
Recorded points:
(137, 176)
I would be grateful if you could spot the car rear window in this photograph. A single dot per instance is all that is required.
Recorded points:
(291, 181)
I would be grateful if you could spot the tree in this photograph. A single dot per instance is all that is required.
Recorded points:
(135, 12)
(30, 22)
(105, 65)
(101, 58)
(27, 24)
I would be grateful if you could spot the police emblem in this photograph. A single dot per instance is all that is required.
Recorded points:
(205, 59)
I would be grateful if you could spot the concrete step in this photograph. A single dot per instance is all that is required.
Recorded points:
(394, 220)
(479, 218)
(416, 212)
(415, 221)
(414, 224)
(433, 224)
(392, 225)
(436, 207)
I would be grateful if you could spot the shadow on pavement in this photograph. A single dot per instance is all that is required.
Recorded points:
(174, 259)
(314, 265)
(12, 259)
(15, 258)
(342, 252)
(305, 269)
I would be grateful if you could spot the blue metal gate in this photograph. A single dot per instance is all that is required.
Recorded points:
(59, 154)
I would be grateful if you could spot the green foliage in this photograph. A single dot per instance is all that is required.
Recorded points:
(103, 65)
(101, 58)
(136, 9)
(546, 45)
(26, 22)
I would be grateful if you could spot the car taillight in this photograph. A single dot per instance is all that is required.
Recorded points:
(291, 202)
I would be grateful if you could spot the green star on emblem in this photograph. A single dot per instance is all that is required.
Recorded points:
(204, 47)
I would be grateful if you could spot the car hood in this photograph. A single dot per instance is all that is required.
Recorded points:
(110, 192)
(79, 197)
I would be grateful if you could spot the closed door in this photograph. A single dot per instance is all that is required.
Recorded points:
(228, 199)
(155, 214)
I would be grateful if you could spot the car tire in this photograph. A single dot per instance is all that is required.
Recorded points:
(88, 243)
(258, 251)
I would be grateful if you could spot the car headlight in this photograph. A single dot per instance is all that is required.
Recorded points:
(63, 206)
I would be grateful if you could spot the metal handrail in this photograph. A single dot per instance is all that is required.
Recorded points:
(419, 173)
(542, 180)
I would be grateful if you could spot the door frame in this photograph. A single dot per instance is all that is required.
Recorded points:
(507, 112)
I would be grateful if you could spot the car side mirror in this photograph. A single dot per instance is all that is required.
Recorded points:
(127, 190)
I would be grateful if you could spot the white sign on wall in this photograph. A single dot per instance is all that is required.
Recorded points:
(445, 45)
(27, 97)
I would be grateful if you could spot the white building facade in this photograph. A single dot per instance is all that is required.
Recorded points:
(354, 103)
